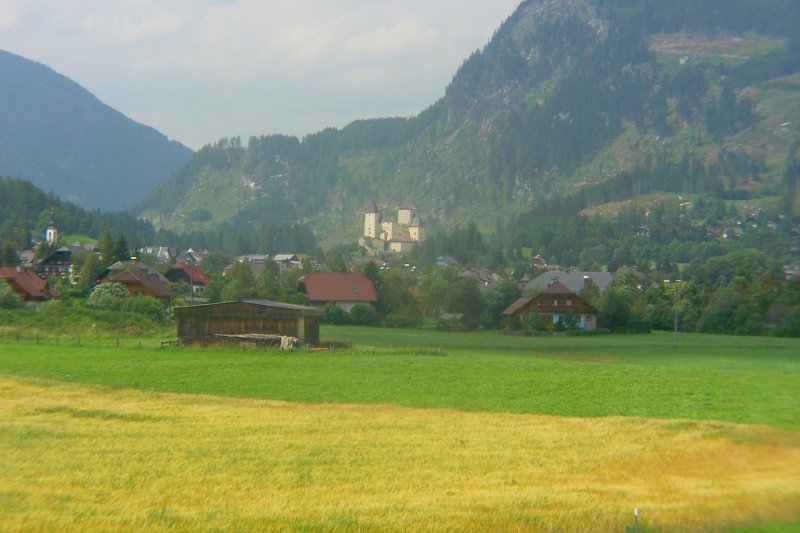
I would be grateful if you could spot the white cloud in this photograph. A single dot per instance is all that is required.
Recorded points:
(205, 69)
(9, 13)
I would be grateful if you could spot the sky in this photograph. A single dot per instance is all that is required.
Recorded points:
(201, 70)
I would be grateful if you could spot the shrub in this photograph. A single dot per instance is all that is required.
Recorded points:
(334, 314)
(8, 298)
(363, 315)
(108, 296)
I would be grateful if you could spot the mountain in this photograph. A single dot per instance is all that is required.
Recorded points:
(604, 99)
(58, 136)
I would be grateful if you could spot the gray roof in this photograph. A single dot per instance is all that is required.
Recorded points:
(574, 280)
(306, 310)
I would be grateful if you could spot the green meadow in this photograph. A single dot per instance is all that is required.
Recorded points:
(400, 430)
(704, 377)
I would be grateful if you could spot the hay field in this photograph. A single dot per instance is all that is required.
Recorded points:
(88, 458)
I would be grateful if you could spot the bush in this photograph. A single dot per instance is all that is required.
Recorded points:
(363, 315)
(142, 305)
(108, 296)
(334, 315)
(8, 298)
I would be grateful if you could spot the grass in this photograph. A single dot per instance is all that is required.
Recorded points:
(515, 433)
(734, 379)
(84, 458)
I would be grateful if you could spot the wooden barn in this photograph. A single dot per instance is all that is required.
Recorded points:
(248, 317)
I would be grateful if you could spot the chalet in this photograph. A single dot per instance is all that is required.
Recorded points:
(139, 284)
(251, 318)
(189, 274)
(162, 254)
(575, 280)
(133, 265)
(553, 305)
(57, 264)
(345, 289)
(288, 261)
(26, 284)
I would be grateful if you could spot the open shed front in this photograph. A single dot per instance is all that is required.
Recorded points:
(248, 317)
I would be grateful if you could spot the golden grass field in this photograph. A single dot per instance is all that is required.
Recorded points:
(91, 459)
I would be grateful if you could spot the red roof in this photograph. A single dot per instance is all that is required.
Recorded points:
(199, 278)
(26, 284)
(133, 278)
(338, 287)
(516, 306)
(557, 288)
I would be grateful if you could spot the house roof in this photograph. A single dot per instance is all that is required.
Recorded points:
(199, 276)
(129, 277)
(33, 287)
(516, 306)
(338, 287)
(557, 288)
(574, 280)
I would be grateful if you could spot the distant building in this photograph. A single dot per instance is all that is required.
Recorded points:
(248, 317)
(552, 306)
(345, 289)
(397, 236)
(574, 280)
(26, 284)
(57, 264)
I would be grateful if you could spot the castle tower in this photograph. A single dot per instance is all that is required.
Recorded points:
(405, 215)
(51, 233)
(372, 222)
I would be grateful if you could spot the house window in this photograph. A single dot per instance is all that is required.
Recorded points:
(355, 291)
(569, 302)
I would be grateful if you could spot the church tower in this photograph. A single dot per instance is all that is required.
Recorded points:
(51, 233)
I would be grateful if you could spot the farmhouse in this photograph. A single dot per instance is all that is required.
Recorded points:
(138, 284)
(345, 289)
(557, 303)
(27, 285)
(248, 317)
(181, 271)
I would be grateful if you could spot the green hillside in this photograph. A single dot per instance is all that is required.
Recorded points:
(57, 135)
(594, 98)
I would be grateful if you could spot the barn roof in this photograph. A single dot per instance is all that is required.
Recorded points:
(338, 287)
(305, 310)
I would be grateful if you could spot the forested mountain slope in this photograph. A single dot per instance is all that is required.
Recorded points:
(599, 100)
(57, 135)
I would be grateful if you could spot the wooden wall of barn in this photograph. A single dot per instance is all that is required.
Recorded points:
(237, 318)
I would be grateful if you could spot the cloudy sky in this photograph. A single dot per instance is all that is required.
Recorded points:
(204, 69)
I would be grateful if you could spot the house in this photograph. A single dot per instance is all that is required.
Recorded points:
(288, 261)
(162, 254)
(555, 304)
(345, 289)
(190, 274)
(574, 280)
(57, 264)
(248, 318)
(133, 265)
(26, 284)
(139, 284)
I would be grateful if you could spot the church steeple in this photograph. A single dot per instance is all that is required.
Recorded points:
(51, 233)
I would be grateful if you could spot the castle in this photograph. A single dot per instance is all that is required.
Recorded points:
(398, 236)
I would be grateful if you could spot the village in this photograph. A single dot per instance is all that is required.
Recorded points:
(311, 293)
